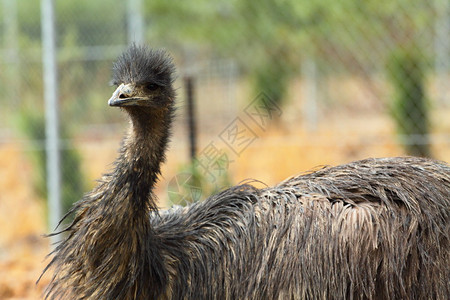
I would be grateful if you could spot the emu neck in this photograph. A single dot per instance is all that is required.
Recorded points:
(143, 151)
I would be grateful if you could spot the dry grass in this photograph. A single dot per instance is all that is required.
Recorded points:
(22, 223)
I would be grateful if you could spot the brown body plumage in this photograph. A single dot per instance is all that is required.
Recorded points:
(372, 229)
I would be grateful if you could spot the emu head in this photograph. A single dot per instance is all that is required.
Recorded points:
(144, 79)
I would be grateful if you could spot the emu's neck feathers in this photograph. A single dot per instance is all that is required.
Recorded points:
(110, 242)
(138, 166)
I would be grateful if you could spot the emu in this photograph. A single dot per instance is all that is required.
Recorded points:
(371, 229)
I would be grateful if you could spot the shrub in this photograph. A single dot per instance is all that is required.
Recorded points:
(409, 108)
(32, 125)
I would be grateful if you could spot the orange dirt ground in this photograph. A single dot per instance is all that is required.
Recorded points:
(273, 156)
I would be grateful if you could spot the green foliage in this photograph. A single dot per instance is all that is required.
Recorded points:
(261, 35)
(272, 78)
(194, 182)
(269, 38)
(410, 109)
(32, 125)
(73, 183)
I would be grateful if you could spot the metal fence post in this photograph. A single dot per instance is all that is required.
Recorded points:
(51, 114)
(192, 124)
(310, 110)
(135, 22)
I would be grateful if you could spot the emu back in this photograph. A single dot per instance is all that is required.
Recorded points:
(373, 229)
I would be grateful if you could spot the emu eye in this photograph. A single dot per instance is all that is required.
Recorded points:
(151, 87)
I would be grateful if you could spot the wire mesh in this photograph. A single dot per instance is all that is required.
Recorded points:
(352, 79)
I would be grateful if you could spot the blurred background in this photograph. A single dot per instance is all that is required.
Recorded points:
(266, 89)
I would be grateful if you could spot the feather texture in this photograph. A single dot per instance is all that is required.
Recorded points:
(371, 229)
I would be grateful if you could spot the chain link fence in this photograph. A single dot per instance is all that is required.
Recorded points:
(347, 80)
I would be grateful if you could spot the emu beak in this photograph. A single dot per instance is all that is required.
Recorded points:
(123, 96)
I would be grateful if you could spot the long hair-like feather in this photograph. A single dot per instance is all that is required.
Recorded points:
(371, 229)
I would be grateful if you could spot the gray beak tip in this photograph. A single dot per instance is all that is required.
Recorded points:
(115, 96)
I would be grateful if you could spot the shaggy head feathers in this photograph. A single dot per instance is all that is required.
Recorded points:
(140, 64)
